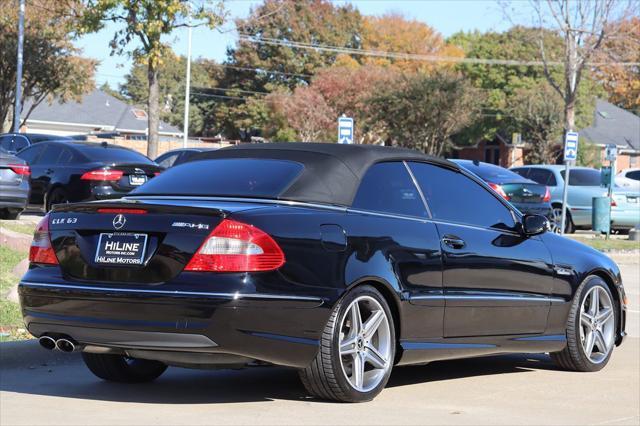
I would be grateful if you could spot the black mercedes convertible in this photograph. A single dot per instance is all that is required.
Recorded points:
(342, 261)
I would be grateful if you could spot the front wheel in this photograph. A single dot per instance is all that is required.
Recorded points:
(591, 328)
(357, 349)
(118, 368)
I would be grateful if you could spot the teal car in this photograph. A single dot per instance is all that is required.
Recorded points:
(584, 185)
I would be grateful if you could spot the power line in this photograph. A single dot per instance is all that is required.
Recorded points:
(259, 70)
(410, 56)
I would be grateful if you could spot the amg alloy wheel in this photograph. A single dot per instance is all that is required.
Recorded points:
(591, 328)
(357, 350)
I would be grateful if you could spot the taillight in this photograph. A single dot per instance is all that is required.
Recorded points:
(20, 169)
(237, 247)
(156, 173)
(41, 250)
(102, 174)
(499, 190)
(613, 203)
(547, 195)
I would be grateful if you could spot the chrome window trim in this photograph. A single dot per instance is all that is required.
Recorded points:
(415, 183)
(233, 296)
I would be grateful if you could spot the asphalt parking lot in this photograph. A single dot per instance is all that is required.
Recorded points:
(40, 387)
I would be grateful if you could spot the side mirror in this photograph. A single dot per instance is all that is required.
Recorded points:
(535, 224)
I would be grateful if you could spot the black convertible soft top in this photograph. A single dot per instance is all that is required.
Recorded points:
(332, 172)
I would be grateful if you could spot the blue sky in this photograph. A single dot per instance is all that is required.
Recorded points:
(446, 16)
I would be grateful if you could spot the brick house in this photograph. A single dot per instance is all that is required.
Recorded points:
(500, 151)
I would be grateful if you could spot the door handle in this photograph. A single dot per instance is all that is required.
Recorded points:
(453, 241)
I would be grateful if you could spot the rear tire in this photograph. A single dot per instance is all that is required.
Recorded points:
(556, 219)
(355, 358)
(118, 368)
(10, 214)
(581, 353)
(57, 196)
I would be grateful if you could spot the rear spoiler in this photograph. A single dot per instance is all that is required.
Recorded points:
(151, 207)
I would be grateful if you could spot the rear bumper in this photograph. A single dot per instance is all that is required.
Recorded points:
(279, 329)
(14, 197)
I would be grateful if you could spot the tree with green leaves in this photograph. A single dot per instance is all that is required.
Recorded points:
(53, 67)
(171, 82)
(146, 22)
(304, 21)
(424, 110)
(537, 114)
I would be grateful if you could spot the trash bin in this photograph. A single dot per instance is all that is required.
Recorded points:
(601, 215)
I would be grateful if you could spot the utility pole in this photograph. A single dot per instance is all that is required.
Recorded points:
(188, 86)
(16, 111)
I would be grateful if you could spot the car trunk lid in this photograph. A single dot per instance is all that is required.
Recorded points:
(143, 242)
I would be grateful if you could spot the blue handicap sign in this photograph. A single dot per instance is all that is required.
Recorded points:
(345, 130)
(571, 146)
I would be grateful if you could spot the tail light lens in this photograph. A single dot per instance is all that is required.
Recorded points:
(20, 169)
(547, 195)
(237, 247)
(499, 190)
(103, 174)
(613, 203)
(41, 250)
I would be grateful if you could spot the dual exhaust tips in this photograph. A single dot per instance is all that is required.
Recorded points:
(62, 344)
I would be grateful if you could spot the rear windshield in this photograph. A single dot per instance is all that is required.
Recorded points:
(583, 177)
(493, 174)
(229, 177)
(114, 155)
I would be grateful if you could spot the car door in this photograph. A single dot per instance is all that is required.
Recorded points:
(496, 281)
(43, 171)
(389, 226)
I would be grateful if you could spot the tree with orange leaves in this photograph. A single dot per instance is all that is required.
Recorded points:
(398, 34)
(622, 83)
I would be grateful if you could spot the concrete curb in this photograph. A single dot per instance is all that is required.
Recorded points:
(15, 240)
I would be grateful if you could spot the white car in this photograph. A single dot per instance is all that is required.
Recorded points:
(629, 179)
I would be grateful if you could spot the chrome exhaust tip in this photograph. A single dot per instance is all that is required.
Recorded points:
(47, 342)
(65, 345)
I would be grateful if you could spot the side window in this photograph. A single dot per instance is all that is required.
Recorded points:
(635, 175)
(20, 143)
(66, 156)
(542, 176)
(30, 155)
(522, 172)
(50, 154)
(5, 143)
(388, 188)
(167, 161)
(454, 197)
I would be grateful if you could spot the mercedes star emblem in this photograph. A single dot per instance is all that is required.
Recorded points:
(119, 221)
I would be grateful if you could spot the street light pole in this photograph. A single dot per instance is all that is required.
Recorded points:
(16, 111)
(188, 86)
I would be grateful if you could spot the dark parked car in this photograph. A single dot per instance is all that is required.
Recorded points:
(338, 260)
(178, 156)
(16, 142)
(526, 195)
(14, 185)
(65, 172)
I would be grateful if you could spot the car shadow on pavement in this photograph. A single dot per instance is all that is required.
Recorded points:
(26, 368)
